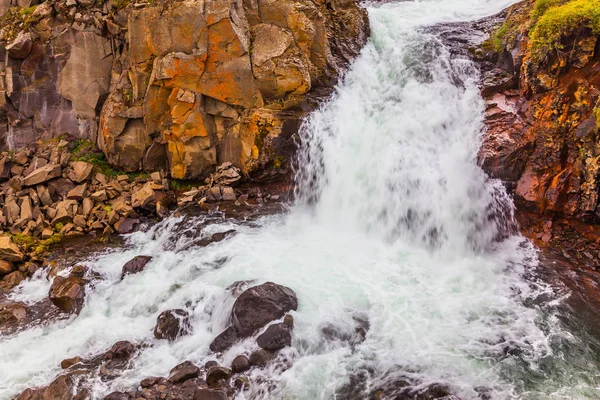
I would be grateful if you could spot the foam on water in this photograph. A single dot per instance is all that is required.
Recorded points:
(395, 223)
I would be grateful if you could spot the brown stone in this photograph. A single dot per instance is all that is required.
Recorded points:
(172, 324)
(6, 267)
(80, 171)
(216, 374)
(68, 294)
(42, 175)
(183, 372)
(69, 362)
(77, 193)
(9, 251)
(135, 265)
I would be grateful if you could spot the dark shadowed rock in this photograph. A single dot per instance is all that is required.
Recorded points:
(240, 364)
(171, 324)
(68, 294)
(260, 305)
(135, 265)
(276, 337)
(225, 340)
(183, 372)
(216, 374)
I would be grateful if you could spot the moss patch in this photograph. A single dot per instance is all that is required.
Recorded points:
(553, 19)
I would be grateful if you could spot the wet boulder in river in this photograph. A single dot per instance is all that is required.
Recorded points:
(276, 337)
(260, 305)
(68, 294)
(240, 364)
(183, 372)
(172, 324)
(256, 307)
(135, 265)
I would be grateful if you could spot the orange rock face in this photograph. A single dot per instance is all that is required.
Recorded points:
(543, 129)
(202, 83)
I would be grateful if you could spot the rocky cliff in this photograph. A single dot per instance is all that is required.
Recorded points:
(541, 84)
(180, 86)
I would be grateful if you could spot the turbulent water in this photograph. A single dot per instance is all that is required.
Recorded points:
(394, 223)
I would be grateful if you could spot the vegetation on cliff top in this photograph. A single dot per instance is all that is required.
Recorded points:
(554, 18)
(547, 22)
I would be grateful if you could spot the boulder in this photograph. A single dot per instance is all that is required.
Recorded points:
(80, 171)
(276, 337)
(261, 357)
(126, 225)
(172, 324)
(225, 339)
(60, 389)
(183, 372)
(77, 193)
(6, 267)
(210, 394)
(135, 265)
(43, 174)
(216, 374)
(260, 305)
(68, 294)
(11, 314)
(240, 364)
(118, 355)
(10, 251)
(21, 46)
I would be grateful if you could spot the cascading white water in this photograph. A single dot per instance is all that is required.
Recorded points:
(394, 223)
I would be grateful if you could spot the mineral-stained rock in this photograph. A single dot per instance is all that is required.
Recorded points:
(172, 324)
(68, 294)
(135, 265)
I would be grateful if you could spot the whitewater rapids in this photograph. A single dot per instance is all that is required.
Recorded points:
(394, 222)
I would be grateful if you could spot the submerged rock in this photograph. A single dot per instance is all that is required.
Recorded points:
(135, 265)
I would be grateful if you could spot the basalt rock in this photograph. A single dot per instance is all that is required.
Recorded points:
(135, 265)
(179, 86)
(172, 324)
(276, 337)
(68, 294)
(253, 309)
(542, 117)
